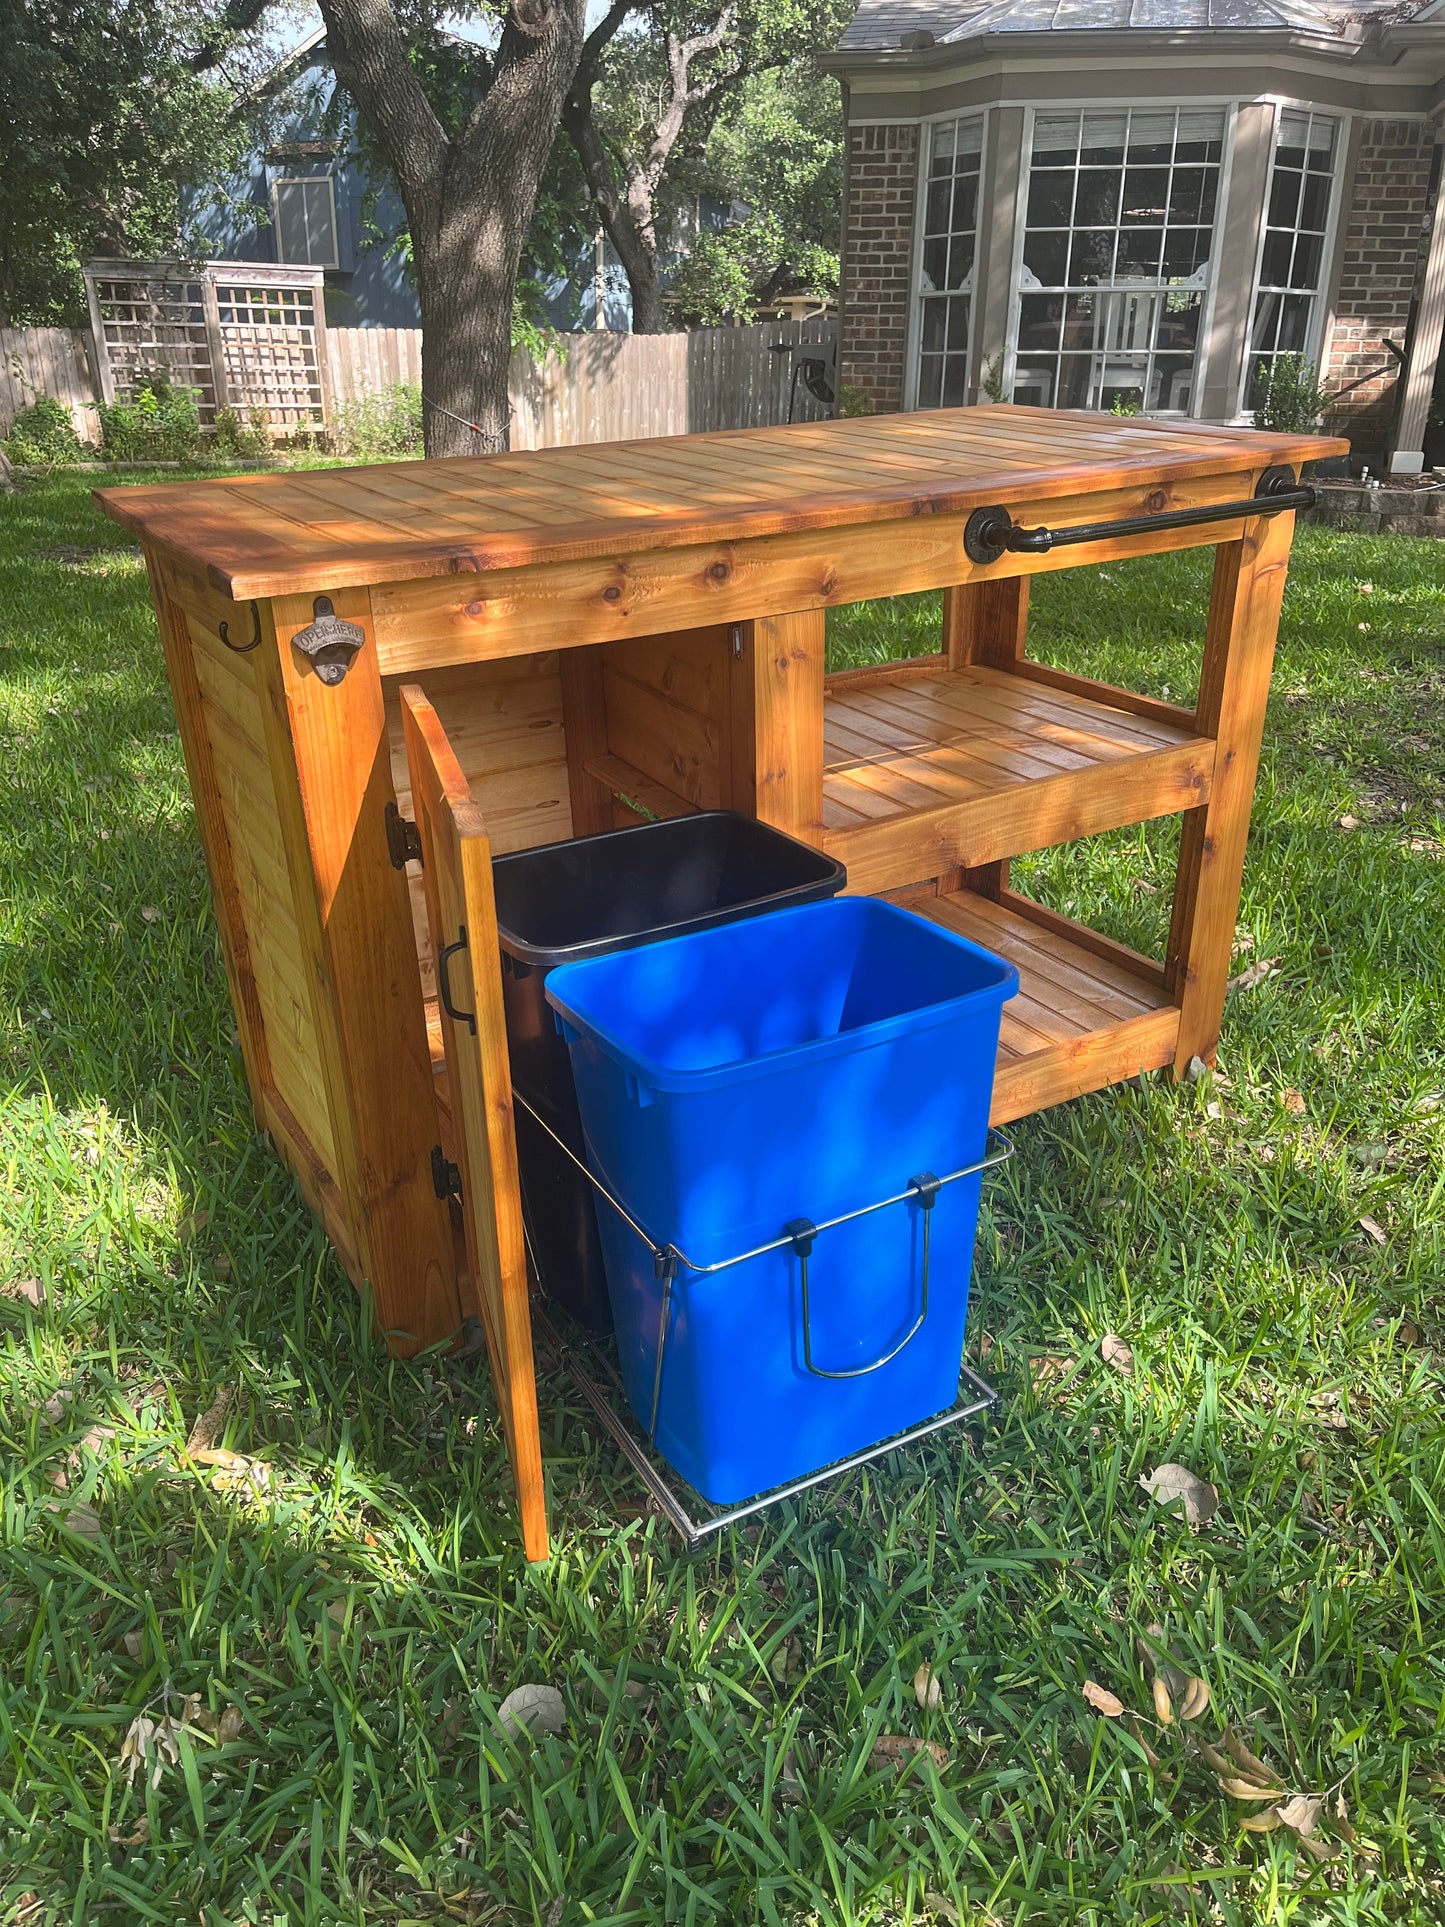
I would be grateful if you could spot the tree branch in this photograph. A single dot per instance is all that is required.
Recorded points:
(369, 54)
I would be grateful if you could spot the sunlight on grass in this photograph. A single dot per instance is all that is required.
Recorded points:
(341, 1562)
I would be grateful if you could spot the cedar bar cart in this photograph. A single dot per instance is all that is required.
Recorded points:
(382, 675)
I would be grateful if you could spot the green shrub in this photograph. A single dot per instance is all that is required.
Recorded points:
(43, 436)
(235, 440)
(160, 423)
(1288, 397)
(854, 401)
(383, 426)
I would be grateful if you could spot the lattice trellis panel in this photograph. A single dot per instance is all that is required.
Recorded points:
(243, 335)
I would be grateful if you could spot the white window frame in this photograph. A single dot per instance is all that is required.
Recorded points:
(306, 180)
(913, 347)
(1094, 105)
(1321, 304)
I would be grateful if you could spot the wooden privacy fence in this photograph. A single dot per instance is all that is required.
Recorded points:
(48, 361)
(610, 387)
(596, 388)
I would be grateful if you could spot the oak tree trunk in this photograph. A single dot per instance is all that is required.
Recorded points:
(468, 195)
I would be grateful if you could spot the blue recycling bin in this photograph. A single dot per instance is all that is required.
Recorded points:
(741, 1084)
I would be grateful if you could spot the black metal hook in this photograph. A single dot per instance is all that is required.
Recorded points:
(244, 648)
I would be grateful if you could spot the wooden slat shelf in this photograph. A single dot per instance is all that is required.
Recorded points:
(961, 767)
(1080, 1020)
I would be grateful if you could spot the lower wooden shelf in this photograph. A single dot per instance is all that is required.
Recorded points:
(1082, 1018)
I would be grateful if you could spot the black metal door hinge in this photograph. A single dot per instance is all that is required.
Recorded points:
(446, 1177)
(403, 838)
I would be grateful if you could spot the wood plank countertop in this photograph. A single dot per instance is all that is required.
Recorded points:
(301, 531)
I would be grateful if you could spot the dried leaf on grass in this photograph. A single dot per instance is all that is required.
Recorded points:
(1163, 1705)
(1256, 973)
(139, 1834)
(926, 1689)
(1375, 1232)
(150, 1746)
(1247, 1763)
(81, 1519)
(787, 1659)
(134, 1644)
(1048, 1369)
(1170, 1484)
(532, 1709)
(1195, 1702)
(1115, 1352)
(1302, 1811)
(1149, 1754)
(1238, 1789)
(1102, 1700)
(29, 1289)
(235, 1472)
(211, 1423)
(1261, 1822)
(228, 1727)
(892, 1748)
(1293, 1103)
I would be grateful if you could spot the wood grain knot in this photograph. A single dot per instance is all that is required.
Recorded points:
(1156, 501)
(719, 571)
(612, 593)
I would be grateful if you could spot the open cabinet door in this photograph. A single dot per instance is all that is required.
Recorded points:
(457, 868)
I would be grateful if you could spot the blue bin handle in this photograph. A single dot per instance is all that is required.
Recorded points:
(803, 1234)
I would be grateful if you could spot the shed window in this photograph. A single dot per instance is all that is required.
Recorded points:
(1292, 260)
(306, 222)
(1118, 236)
(947, 249)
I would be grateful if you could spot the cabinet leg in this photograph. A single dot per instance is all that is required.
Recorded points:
(776, 723)
(331, 762)
(1244, 608)
(584, 724)
(986, 622)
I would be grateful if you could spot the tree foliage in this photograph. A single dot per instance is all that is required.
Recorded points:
(776, 153)
(104, 118)
(653, 86)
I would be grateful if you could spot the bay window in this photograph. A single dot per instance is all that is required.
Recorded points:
(1292, 259)
(948, 246)
(1118, 240)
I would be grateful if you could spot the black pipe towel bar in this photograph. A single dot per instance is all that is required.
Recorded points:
(992, 533)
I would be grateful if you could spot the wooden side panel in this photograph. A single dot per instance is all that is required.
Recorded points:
(504, 721)
(274, 1001)
(329, 757)
(285, 988)
(1244, 608)
(666, 699)
(457, 867)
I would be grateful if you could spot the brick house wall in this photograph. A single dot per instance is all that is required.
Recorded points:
(1387, 204)
(880, 196)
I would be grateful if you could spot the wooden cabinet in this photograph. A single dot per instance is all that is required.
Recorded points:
(518, 648)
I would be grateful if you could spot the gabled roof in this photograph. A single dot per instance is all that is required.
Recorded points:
(882, 23)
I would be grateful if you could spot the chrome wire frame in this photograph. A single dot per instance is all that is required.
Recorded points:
(642, 1457)
(799, 1237)
(695, 1531)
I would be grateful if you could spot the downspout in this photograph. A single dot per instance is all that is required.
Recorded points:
(1423, 338)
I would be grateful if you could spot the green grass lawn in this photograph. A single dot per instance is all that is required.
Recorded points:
(1268, 1242)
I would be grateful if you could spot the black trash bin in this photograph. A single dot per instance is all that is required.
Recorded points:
(581, 898)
